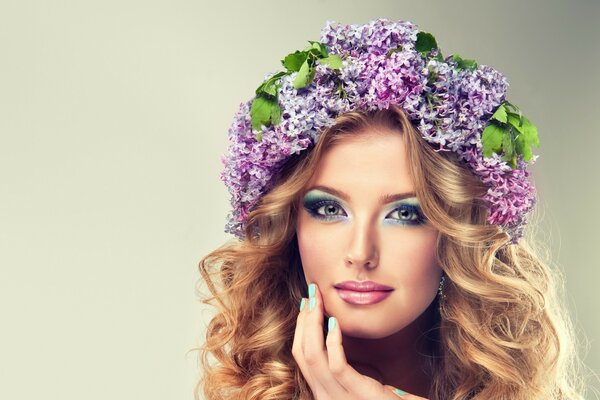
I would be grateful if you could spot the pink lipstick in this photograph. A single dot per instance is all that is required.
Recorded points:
(362, 293)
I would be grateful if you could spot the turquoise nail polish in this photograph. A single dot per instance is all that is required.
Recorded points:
(302, 303)
(312, 290)
(331, 324)
(400, 392)
(312, 302)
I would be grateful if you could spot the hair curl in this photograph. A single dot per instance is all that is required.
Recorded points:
(503, 332)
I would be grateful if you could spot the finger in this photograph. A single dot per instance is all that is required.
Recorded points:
(350, 379)
(314, 323)
(315, 353)
(335, 353)
(297, 344)
(401, 394)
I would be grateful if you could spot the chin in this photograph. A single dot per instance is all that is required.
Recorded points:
(364, 335)
(367, 332)
(366, 324)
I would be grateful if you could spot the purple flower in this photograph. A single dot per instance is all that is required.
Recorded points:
(450, 106)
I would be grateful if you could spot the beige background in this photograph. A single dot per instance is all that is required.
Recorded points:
(113, 115)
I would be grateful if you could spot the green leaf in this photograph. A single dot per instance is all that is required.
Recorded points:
(507, 147)
(305, 76)
(520, 134)
(333, 61)
(314, 54)
(511, 108)
(293, 61)
(463, 63)
(314, 51)
(468, 64)
(527, 139)
(320, 47)
(264, 111)
(516, 121)
(500, 114)
(522, 148)
(516, 113)
(530, 133)
(260, 112)
(269, 86)
(425, 42)
(275, 113)
(492, 139)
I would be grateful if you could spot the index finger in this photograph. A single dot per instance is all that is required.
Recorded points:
(315, 353)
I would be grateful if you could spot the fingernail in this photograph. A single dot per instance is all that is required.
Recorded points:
(312, 290)
(302, 303)
(312, 302)
(399, 392)
(331, 324)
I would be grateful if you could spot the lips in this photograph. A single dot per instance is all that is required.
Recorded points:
(362, 293)
(364, 286)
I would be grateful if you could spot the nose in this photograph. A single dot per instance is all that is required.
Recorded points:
(363, 246)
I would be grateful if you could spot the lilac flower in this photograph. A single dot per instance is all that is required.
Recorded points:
(450, 107)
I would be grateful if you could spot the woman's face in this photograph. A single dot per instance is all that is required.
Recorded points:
(360, 221)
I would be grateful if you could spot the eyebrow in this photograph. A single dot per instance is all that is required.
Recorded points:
(387, 198)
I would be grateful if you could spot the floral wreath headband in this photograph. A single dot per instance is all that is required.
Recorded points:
(456, 105)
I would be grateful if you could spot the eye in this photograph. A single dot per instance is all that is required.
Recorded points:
(330, 209)
(326, 209)
(407, 214)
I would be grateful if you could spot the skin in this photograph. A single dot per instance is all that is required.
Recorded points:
(348, 229)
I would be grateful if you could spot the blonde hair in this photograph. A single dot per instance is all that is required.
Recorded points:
(503, 333)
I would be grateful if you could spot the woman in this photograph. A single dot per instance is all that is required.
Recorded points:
(383, 190)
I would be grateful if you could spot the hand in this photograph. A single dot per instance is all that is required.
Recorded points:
(325, 369)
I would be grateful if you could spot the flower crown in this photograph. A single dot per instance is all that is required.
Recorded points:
(456, 105)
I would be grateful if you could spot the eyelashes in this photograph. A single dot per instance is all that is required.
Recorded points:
(331, 210)
(325, 209)
(406, 214)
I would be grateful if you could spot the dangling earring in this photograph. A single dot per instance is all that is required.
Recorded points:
(441, 287)
(441, 295)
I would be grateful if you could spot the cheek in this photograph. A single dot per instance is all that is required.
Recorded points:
(314, 248)
(415, 260)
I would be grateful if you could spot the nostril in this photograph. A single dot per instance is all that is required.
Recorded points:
(369, 260)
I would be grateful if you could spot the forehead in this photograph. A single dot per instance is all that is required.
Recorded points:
(374, 159)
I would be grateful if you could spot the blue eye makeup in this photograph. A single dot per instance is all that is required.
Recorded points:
(406, 214)
(323, 206)
(326, 207)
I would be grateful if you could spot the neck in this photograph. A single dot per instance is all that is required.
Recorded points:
(401, 359)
